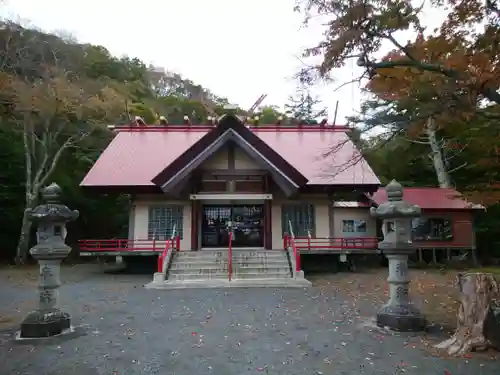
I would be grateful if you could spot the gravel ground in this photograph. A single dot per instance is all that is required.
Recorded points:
(131, 330)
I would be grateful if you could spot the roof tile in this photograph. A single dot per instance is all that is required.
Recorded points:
(430, 198)
(135, 158)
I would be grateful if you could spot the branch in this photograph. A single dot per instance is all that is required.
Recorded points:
(36, 180)
(27, 158)
(70, 142)
(457, 168)
(415, 141)
(55, 160)
(457, 153)
(489, 93)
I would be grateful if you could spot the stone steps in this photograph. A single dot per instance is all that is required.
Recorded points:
(258, 275)
(248, 264)
(197, 270)
(199, 276)
(261, 271)
(197, 264)
(236, 253)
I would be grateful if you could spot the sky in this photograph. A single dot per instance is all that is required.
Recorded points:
(237, 49)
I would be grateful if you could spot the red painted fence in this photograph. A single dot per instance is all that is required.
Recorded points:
(336, 243)
(170, 245)
(327, 244)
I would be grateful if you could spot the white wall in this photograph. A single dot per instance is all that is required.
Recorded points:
(352, 213)
(140, 214)
(243, 161)
(218, 160)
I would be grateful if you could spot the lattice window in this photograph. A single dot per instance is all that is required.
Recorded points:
(354, 226)
(162, 220)
(429, 229)
(302, 218)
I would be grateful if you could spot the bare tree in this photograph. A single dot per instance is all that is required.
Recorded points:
(54, 113)
(442, 152)
(53, 109)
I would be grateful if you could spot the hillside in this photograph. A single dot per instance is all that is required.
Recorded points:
(56, 98)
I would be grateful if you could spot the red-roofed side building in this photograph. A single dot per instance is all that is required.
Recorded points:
(252, 181)
(447, 220)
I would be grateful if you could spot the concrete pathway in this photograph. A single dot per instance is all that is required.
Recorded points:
(131, 330)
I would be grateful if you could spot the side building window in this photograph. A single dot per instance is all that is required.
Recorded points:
(301, 216)
(163, 219)
(354, 226)
(432, 229)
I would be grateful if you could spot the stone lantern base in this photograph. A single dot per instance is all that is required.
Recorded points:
(401, 318)
(45, 323)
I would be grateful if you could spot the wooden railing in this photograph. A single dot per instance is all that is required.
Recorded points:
(230, 257)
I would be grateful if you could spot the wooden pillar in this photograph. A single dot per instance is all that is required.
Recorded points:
(268, 237)
(195, 215)
(331, 219)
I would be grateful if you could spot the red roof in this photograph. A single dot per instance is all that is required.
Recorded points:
(430, 198)
(135, 158)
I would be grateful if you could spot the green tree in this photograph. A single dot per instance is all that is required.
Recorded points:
(304, 106)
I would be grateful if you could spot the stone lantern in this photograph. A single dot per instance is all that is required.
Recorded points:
(396, 214)
(51, 218)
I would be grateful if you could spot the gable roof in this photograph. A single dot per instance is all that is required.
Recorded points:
(135, 158)
(324, 157)
(430, 198)
(229, 128)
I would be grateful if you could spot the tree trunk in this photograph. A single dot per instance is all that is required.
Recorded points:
(438, 162)
(24, 236)
(477, 291)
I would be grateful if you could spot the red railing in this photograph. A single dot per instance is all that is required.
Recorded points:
(230, 257)
(121, 245)
(336, 243)
(255, 128)
(170, 245)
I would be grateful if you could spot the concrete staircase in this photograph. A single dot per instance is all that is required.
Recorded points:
(209, 269)
(248, 264)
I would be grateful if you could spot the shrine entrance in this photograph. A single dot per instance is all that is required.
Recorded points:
(246, 222)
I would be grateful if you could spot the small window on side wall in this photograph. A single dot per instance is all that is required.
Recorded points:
(354, 226)
(432, 229)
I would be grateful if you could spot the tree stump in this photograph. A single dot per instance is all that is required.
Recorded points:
(477, 293)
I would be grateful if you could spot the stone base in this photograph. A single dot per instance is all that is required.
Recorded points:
(235, 283)
(44, 323)
(401, 323)
(299, 274)
(158, 277)
(401, 319)
(66, 335)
